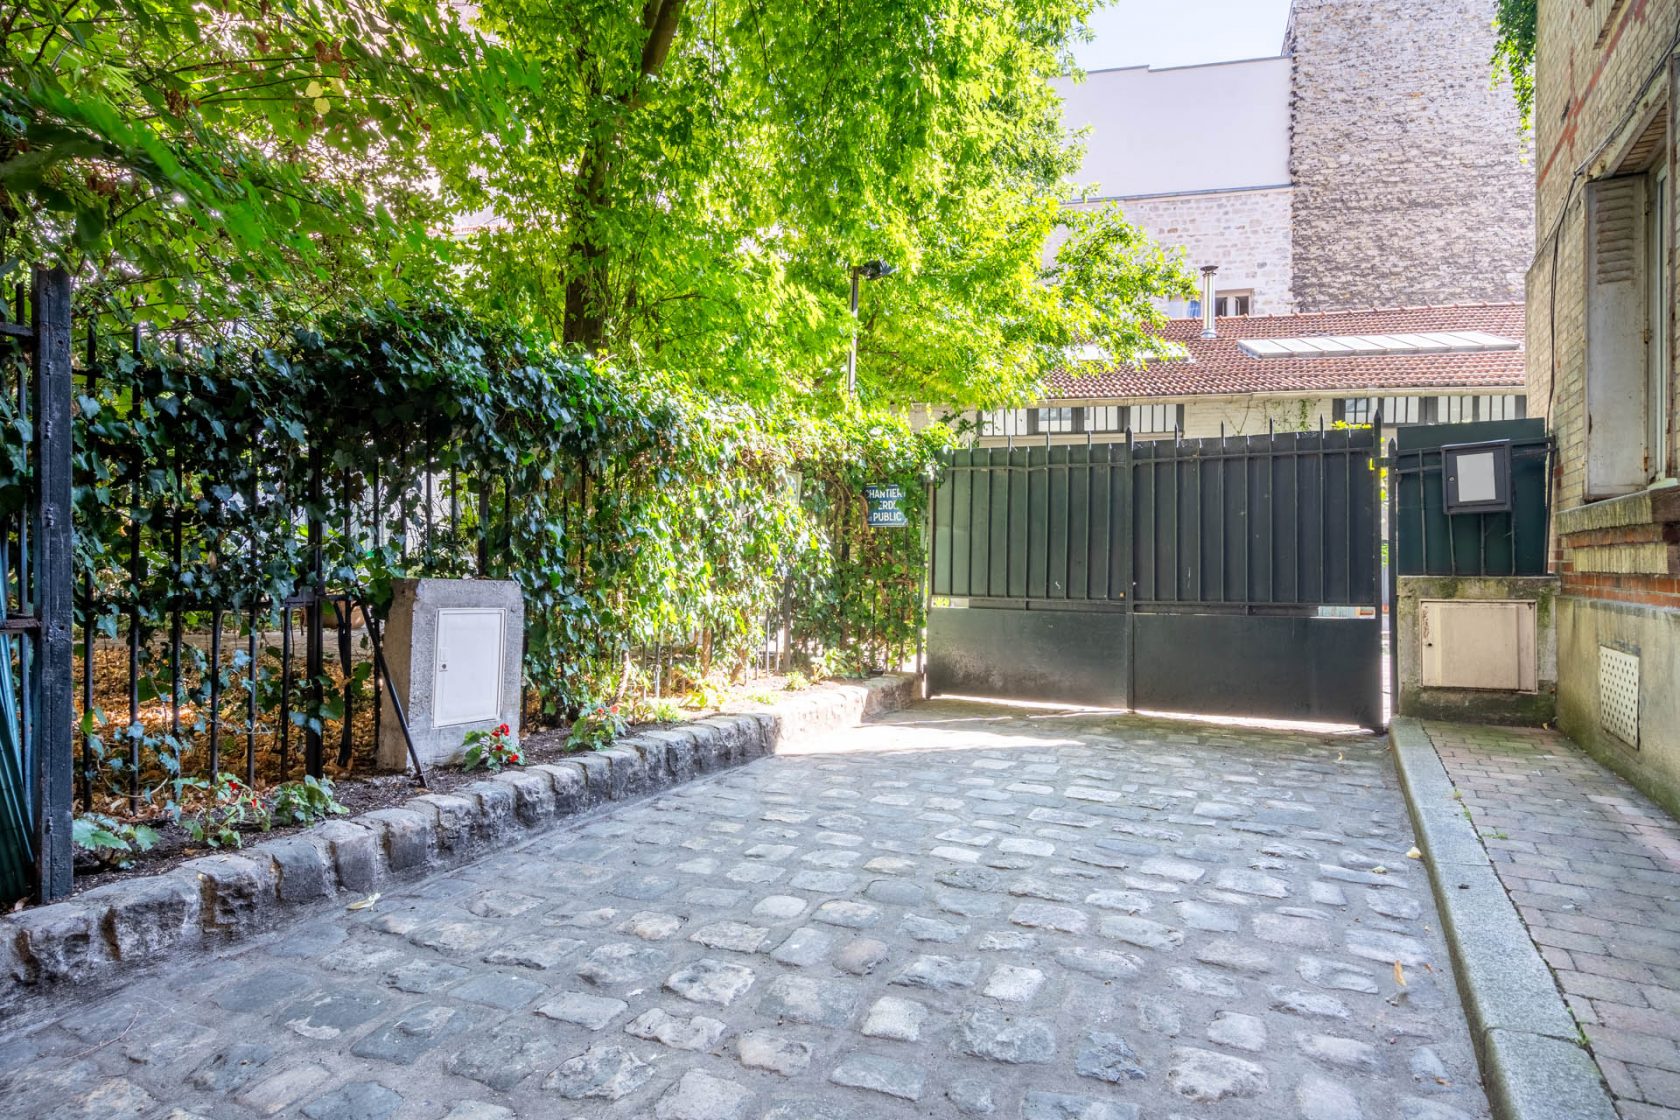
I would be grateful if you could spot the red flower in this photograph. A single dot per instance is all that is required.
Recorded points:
(502, 730)
(513, 758)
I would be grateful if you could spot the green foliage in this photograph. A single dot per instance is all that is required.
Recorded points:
(225, 807)
(108, 841)
(595, 728)
(697, 178)
(632, 513)
(244, 160)
(796, 681)
(304, 802)
(707, 696)
(661, 709)
(492, 750)
(1516, 29)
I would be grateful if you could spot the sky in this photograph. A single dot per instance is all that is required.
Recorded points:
(1162, 33)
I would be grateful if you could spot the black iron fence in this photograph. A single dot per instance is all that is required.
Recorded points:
(221, 609)
(35, 593)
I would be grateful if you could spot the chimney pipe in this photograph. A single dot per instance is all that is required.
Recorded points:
(1208, 329)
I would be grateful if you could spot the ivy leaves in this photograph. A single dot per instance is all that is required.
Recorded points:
(632, 512)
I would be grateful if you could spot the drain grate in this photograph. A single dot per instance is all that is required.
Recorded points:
(1618, 694)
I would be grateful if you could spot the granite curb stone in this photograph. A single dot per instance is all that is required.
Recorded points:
(1524, 1035)
(215, 899)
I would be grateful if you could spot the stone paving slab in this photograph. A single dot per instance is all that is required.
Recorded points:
(964, 910)
(1593, 867)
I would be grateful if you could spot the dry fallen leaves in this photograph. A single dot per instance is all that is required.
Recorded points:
(364, 903)
(1413, 853)
(1399, 974)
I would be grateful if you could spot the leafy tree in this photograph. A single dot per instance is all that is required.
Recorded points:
(1515, 27)
(245, 160)
(684, 184)
(697, 178)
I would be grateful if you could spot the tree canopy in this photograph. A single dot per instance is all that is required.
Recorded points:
(683, 185)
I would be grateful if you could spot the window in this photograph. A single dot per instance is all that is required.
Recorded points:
(1004, 422)
(1464, 410)
(1232, 303)
(1155, 419)
(1658, 403)
(1401, 411)
(1053, 421)
(1395, 410)
(1627, 372)
(1105, 418)
(1143, 419)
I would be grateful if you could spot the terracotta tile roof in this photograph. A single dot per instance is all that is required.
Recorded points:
(1219, 367)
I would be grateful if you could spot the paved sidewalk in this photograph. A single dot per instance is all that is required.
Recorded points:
(961, 911)
(1593, 867)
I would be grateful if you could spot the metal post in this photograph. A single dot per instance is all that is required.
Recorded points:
(314, 617)
(54, 769)
(851, 357)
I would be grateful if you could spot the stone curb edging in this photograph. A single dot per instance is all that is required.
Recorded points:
(1527, 1042)
(215, 900)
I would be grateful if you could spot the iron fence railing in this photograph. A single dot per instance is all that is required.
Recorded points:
(35, 595)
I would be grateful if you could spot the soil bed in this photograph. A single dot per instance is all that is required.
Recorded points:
(364, 791)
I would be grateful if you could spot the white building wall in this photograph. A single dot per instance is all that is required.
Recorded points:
(1190, 128)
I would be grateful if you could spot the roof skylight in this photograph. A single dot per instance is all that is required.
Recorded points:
(1339, 345)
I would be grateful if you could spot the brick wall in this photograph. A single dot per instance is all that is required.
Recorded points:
(1619, 559)
(1245, 233)
(1410, 186)
(1586, 84)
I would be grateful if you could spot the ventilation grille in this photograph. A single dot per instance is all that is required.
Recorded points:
(1618, 694)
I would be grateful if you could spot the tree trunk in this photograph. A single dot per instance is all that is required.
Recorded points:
(587, 293)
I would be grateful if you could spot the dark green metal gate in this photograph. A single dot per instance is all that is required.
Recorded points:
(1236, 576)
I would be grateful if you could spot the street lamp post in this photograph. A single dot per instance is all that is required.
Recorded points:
(874, 270)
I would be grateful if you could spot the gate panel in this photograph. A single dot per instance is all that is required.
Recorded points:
(1280, 667)
(1267, 606)
(1052, 655)
(1236, 576)
(1028, 586)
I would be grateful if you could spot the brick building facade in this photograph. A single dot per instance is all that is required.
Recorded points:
(1601, 368)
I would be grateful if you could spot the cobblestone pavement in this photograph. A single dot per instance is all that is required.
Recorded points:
(1594, 869)
(961, 911)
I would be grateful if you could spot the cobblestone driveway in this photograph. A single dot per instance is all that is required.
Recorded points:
(962, 911)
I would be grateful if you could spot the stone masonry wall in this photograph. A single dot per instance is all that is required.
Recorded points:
(1409, 183)
(1245, 233)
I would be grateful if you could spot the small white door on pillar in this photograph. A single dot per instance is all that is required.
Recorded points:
(468, 686)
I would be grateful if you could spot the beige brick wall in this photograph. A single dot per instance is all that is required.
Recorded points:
(1410, 185)
(1619, 560)
(1597, 78)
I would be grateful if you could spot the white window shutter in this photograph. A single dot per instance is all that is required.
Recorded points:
(1615, 337)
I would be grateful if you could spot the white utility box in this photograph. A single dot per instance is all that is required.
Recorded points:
(453, 647)
(1477, 643)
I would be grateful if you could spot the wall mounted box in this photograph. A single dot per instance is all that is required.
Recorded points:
(1476, 648)
(1476, 477)
(454, 648)
(1481, 644)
